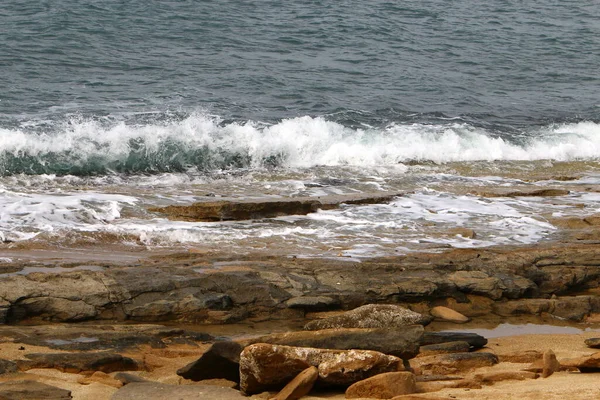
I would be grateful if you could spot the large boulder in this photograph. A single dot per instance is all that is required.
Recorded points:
(400, 342)
(269, 367)
(371, 316)
(383, 386)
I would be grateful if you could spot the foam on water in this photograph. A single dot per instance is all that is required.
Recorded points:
(204, 142)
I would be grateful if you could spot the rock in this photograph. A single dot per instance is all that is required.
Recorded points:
(527, 356)
(574, 308)
(476, 306)
(551, 364)
(525, 192)
(400, 342)
(452, 363)
(32, 390)
(102, 378)
(299, 386)
(523, 307)
(6, 367)
(266, 367)
(493, 377)
(78, 362)
(476, 341)
(371, 316)
(447, 314)
(220, 361)
(383, 386)
(444, 348)
(126, 378)
(584, 364)
(313, 303)
(161, 391)
(225, 210)
(478, 282)
(593, 343)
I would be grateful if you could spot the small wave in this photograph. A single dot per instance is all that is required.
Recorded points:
(205, 143)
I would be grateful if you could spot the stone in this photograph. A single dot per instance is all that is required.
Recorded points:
(371, 316)
(313, 303)
(299, 386)
(400, 342)
(269, 367)
(584, 364)
(78, 362)
(475, 341)
(161, 391)
(32, 390)
(126, 378)
(527, 356)
(102, 378)
(593, 343)
(444, 348)
(477, 282)
(522, 307)
(452, 363)
(383, 386)
(476, 306)
(524, 192)
(493, 377)
(551, 364)
(225, 210)
(7, 367)
(448, 314)
(574, 308)
(220, 361)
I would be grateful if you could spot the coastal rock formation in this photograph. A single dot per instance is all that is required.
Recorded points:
(371, 316)
(242, 209)
(266, 367)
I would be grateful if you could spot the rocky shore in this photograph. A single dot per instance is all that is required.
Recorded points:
(204, 325)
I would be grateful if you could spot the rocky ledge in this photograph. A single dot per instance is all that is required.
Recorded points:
(199, 288)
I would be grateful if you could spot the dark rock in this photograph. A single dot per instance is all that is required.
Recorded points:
(78, 362)
(594, 343)
(32, 390)
(265, 208)
(401, 342)
(313, 303)
(299, 386)
(383, 386)
(220, 361)
(478, 282)
(453, 363)
(445, 348)
(371, 316)
(475, 341)
(6, 367)
(525, 192)
(267, 367)
(161, 391)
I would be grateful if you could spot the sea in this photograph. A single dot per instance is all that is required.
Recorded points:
(109, 108)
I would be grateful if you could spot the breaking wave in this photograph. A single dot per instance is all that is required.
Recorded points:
(205, 143)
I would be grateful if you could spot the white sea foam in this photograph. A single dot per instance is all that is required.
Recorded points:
(299, 142)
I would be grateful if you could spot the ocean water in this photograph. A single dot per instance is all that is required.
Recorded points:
(110, 108)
